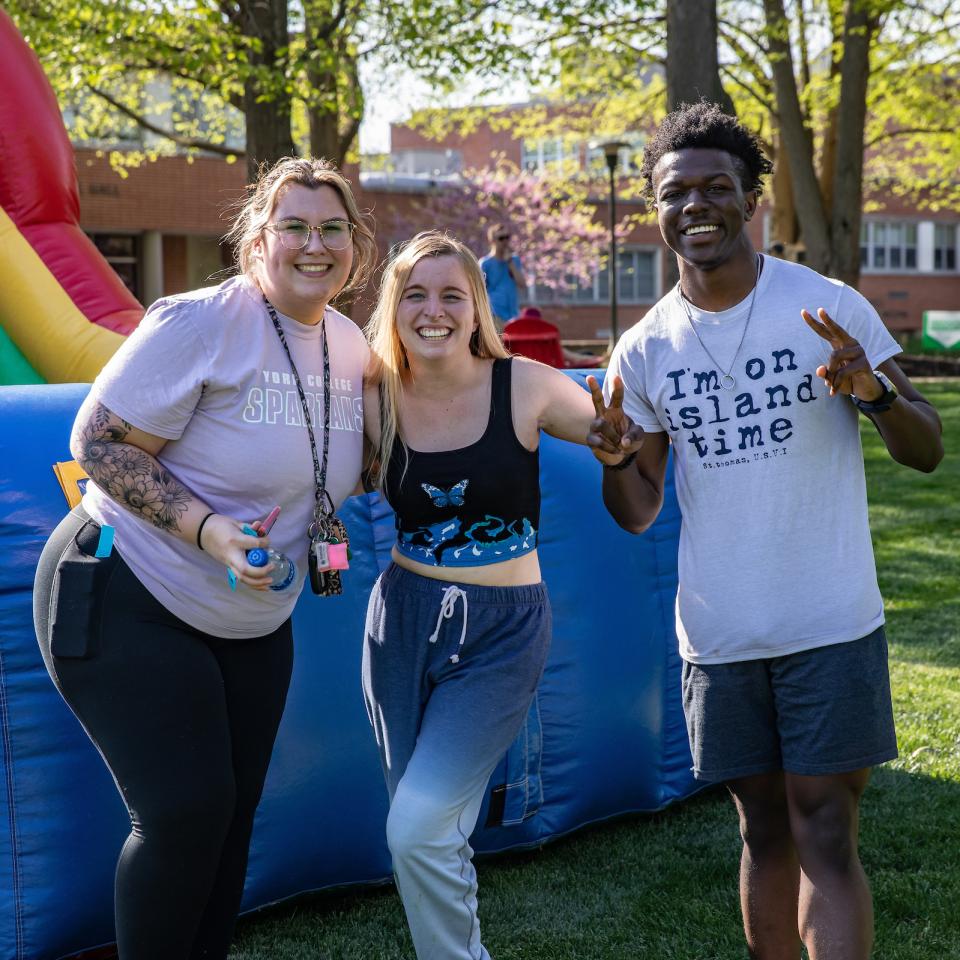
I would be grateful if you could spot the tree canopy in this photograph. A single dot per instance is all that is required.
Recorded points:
(856, 100)
(843, 92)
(289, 69)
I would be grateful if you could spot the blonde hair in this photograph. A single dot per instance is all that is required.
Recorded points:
(389, 356)
(263, 196)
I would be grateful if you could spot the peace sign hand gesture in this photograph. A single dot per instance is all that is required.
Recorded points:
(613, 435)
(847, 370)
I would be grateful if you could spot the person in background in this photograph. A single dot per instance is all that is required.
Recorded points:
(756, 371)
(459, 624)
(199, 422)
(503, 274)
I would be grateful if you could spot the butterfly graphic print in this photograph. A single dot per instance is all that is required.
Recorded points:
(446, 498)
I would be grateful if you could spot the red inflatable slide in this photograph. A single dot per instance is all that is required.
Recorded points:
(61, 304)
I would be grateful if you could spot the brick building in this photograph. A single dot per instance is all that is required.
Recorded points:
(909, 258)
(160, 226)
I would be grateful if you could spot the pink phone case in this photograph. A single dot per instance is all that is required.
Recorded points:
(269, 522)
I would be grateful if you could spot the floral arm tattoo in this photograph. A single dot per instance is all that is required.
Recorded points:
(130, 476)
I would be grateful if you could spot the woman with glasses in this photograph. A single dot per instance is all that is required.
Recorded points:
(458, 625)
(172, 649)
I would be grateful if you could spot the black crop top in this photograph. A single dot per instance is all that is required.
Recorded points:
(473, 506)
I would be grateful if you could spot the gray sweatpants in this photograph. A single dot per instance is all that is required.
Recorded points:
(449, 672)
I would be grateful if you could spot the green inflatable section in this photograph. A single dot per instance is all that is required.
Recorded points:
(14, 368)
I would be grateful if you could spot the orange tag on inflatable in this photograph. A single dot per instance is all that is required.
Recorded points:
(73, 481)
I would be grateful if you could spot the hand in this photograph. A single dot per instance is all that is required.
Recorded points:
(613, 435)
(848, 370)
(223, 538)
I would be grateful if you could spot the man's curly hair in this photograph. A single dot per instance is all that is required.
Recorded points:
(706, 126)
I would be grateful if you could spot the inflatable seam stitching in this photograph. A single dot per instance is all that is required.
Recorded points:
(664, 574)
(11, 813)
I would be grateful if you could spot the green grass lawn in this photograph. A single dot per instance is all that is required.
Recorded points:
(664, 887)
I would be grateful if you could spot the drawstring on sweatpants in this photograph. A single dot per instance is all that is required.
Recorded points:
(447, 607)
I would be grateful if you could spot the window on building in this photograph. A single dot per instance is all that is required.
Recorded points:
(121, 251)
(636, 282)
(888, 245)
(540, 155)
(203, 117)
(628, 157)
(112, 128)
(424, 163)
(945, 246)
(199, 115)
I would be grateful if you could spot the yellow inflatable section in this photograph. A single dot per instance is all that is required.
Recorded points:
(57, 340)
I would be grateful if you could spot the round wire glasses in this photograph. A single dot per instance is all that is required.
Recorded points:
(295, 234)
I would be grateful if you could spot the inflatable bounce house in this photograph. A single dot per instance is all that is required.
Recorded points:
(63, 311)
(605, 735)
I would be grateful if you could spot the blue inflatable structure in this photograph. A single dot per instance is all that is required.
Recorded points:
(605, 735)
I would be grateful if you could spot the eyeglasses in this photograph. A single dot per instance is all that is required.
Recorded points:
(295, 234)
(504, 236)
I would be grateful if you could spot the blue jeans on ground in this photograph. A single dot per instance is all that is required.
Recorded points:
(449, 672)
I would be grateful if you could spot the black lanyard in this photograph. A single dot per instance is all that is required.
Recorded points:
(321, 497)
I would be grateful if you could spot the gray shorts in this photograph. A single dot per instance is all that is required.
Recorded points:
(816, 712)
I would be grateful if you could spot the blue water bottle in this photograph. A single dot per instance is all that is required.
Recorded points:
(284, 570)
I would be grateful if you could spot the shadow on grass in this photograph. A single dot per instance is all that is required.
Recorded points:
(925, 633)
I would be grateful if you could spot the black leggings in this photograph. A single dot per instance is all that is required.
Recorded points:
(186, 723)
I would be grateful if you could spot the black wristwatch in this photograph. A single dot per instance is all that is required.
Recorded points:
(883, 403)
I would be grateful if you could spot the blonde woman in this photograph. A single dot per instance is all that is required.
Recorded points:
(200, 422)
(459, 625)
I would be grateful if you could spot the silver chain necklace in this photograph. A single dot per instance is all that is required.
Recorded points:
(727, 379)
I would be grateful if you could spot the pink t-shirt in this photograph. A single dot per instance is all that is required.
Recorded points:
(206, 370)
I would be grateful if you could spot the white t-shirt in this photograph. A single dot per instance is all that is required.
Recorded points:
(775, 551)
(206, 370)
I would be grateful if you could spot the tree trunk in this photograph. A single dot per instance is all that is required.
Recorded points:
(797, 142)
(334, 97)
(693, 71)
(266, 102)
(783, 218)
(322, 72)
(828, 158)
(352, 103)
(324, 116)
(859, 30)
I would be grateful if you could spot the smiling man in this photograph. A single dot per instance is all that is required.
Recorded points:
(756, 371)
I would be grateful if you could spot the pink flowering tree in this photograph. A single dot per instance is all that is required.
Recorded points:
(556, 230)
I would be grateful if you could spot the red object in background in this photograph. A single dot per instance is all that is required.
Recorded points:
(534, 338)
(529, 335)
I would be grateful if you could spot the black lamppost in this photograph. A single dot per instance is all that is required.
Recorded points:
(611, 151)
